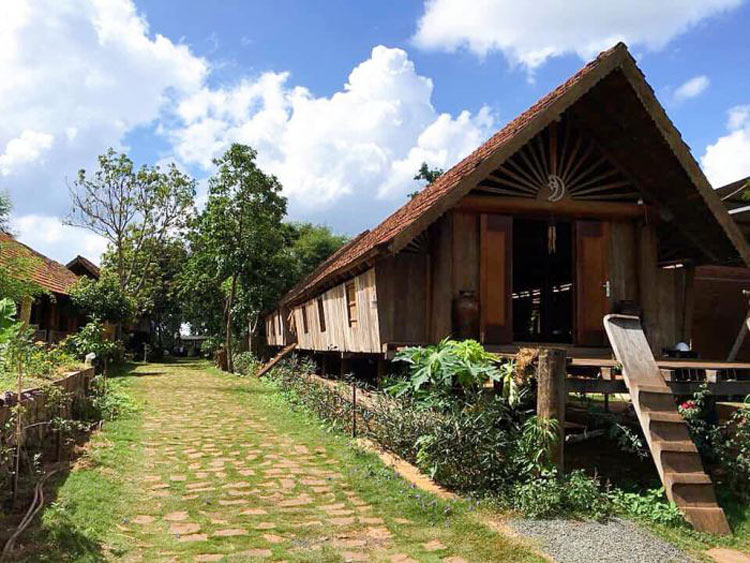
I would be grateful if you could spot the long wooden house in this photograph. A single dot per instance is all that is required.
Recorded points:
(587, 203)
(52, 314)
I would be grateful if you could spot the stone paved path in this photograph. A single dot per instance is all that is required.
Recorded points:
(221, 482)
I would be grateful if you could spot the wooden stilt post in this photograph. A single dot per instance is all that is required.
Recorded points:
(381, 369)
(552, 395)
(344, 366)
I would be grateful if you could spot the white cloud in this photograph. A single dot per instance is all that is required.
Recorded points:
(529, 33)
(75, 77)
(691, 88)
(365, 141)
(728, 159)
(48, 235)
(23, 150)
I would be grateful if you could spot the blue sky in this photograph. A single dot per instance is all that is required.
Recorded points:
(179, 80)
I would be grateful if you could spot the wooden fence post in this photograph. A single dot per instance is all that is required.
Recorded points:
(552, 395)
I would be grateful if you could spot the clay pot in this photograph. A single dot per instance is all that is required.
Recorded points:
(466, 315)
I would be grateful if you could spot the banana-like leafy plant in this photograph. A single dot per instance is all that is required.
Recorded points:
(453, 365)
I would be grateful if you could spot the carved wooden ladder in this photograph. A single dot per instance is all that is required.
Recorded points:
(675, 454)
(276, 359)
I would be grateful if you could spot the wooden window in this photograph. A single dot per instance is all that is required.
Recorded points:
(351, 304)
(321, 314)
(305, 327)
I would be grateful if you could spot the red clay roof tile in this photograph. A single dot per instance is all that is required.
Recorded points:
(49, 274)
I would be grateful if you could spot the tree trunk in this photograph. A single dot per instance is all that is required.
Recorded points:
(228, 341)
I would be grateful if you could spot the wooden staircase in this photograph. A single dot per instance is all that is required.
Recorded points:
(276, 359)
(675, 454)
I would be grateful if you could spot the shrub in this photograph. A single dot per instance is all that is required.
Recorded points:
(437, 372)
(734, 451)
(246, 363)
(725, 446)
(91, 339)
(469, 450)
(548, 495)
(651, 505)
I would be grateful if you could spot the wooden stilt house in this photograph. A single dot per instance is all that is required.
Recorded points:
(588, 203)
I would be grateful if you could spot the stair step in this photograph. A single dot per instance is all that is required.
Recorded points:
(707, 519)
(663, 390)
(687, 479)
(681, 446)
(664, 416)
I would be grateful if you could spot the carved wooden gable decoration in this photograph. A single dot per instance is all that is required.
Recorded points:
(560, 163)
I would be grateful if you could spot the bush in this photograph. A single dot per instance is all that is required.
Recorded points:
(246, 363)
(651, 505)
(725, 447)
(548, 495)
(91, 339)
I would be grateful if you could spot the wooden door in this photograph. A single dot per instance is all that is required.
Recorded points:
(592, 282)
(496, 244)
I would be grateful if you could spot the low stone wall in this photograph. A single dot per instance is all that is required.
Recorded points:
(36, 414)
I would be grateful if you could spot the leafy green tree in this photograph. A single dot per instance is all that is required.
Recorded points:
(239, 236)
(102, 299)
(426, 174)
(132, 209)
(309, 246)
(5, 208)
(157, 297)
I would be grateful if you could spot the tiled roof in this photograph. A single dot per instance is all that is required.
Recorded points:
(47, 273)
(430, 196)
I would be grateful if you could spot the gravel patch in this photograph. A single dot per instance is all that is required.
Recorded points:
(615, 541)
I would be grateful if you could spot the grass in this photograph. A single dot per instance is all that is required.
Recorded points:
(146, 464)
(80, 524)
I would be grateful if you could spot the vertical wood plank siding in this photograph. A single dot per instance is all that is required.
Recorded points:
(364, 334)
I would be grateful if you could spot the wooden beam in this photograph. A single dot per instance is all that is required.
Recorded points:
(683, 388)
(568, 207)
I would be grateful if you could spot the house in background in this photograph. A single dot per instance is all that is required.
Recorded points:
(53, 315)
(81, 266)
(588, 203)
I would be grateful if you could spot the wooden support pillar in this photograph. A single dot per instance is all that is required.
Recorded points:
(552, 395)
(382, 369)
(344, 367)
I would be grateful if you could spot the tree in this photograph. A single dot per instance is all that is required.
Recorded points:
(309, 246)
(426, 174)
(5, 208)
(132, 209)
(102, 299)
(239, 237)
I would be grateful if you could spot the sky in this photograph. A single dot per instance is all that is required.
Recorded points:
(342, 100)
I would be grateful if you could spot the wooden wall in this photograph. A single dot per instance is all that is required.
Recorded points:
(363, 337)
(666, 295)
(278, 330)
(416, 289)
(720, 310)
(402, 297)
